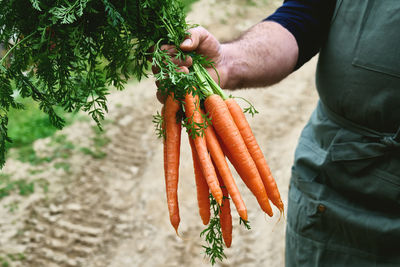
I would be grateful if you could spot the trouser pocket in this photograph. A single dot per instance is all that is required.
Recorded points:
(324, 228)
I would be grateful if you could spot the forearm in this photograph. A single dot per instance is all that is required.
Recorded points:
(263, 55)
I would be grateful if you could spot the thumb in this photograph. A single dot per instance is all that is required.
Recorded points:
(187, 44)
(195, 37)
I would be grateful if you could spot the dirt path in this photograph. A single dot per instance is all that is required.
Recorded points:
(112, 212)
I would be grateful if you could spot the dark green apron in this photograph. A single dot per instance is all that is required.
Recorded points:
(344, 197)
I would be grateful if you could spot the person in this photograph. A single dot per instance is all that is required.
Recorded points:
(344, 197)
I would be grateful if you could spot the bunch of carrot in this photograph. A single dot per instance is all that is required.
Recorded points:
(218, 129)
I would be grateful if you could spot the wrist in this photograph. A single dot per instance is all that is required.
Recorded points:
(231, 67)
(262, 56)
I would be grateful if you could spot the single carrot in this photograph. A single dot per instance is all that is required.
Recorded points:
(226, 128)
(192, 111)
(172, 145)
(225, 216)
(222, 168)
(164, 143)
(255, 152)
(201, 186)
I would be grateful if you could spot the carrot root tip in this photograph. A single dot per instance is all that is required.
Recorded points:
(177, 233)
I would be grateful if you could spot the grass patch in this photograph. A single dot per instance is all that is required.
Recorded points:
(27, 125)
(188, 4)
(99, 142)
(7, 186)
(63, 149)
(6, 259)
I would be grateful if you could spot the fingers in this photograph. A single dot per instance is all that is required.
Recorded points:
(171, 50)
(186, 62)
(183, 69)
(204, 43)
(192, 41)
(200, 40)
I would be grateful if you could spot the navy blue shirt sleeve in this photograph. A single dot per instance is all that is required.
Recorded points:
(308, 21)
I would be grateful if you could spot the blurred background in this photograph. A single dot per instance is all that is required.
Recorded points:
(84, 197)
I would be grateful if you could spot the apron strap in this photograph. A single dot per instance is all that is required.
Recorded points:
(357, 142)
(354, 127)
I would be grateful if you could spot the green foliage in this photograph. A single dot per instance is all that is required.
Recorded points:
(65, 53)
(213, 234)
(67, 13)
(5, 259)
(30, 124)
(6, 186)
(13, 206)
(44, 184)
(21, 186)
(251, 109)
(246, 224)
(16, 256)
(158, 121)
(62, 149)
(99, 142)
(25, 188)
(63, 165)
(4, 263)
(187, 4)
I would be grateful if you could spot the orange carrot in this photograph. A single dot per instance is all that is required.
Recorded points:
(164, 143)
(222, 168)
(225, 216)
(226, 128)
(192, 111)
(201, 186)
(171, 158)
(255, 152)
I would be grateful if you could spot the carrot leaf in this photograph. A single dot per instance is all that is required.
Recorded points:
(214, 249)
(251, 109)
(246, 224)
(158, 121)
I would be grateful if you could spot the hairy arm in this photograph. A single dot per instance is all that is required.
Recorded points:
(263, 55)
(270, 50)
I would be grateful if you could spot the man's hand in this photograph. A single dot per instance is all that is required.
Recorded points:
(204, 43)
(263, 55)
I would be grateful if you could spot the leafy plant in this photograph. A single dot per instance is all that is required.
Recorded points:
(30, 124)
(13, 206)
(65, 53)
(213, 234)
(4, 259)
(44, 184)
(251, 109)
(7, 186)
(99, 142)
(24, 187)
(63, 165)
(62, 149)
(246, 224)
(4, 262)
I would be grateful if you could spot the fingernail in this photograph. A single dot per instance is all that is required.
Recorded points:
(187, 42)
